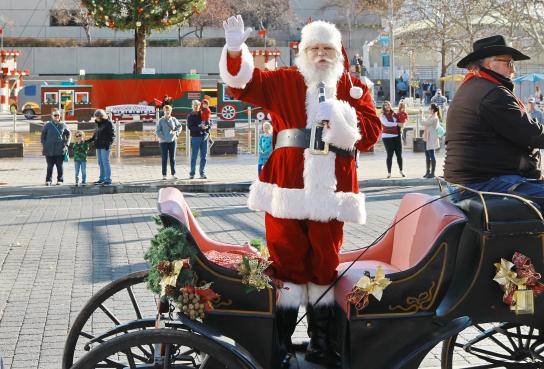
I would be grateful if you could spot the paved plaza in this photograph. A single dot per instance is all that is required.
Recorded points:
(57, 251)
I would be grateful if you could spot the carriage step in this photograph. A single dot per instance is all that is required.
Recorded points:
(227, 194)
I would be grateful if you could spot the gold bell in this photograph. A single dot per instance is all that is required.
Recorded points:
(524, 301)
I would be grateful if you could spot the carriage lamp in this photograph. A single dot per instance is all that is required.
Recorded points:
(524, 301)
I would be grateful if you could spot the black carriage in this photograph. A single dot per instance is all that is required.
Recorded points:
(443, 262)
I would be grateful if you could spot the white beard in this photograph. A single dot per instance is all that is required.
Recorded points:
(312, 77)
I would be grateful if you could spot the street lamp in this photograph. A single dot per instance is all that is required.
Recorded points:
(392, 56)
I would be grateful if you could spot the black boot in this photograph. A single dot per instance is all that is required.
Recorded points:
(428, 164)
(320, 351)
(286, 321)
(433, 167)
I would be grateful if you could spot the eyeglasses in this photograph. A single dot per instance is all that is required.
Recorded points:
(56, 115)
(509, 62)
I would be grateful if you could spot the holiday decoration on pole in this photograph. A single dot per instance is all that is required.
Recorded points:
(366, 286)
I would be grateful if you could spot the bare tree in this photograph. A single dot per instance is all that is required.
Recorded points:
(525, 21)
(272, 14)
(214, 14)
(72, 12)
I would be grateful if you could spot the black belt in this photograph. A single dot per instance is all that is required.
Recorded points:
(299, 137)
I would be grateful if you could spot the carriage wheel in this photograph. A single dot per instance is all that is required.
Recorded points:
(160, 348)
(123, 300)
(495, 345)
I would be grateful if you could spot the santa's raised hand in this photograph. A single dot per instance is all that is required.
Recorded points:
(235, 34)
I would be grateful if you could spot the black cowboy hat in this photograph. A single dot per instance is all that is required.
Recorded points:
(490, 46)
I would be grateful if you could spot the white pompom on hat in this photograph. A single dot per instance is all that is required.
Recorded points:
(320, 32)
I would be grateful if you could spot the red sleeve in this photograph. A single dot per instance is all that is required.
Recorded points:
(369, 123)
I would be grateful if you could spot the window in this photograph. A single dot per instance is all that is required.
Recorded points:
(50, 98)
(64, 17)
(29, 90)
(82, 97)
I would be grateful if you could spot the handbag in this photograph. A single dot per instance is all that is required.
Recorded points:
(440, 130)
(66, 155)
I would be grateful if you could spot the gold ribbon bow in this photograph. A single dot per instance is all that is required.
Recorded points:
(367, 286)
(171, 279)
(252, 272)
(506, 277)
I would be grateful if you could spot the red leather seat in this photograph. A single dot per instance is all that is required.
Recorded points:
(171, 202)
(404, 245)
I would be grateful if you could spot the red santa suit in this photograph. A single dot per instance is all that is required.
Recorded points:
(306, 197)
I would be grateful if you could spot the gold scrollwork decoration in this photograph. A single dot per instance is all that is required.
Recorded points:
(217, 303)
(422, 302)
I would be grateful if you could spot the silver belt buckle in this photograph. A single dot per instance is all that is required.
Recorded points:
(313, 137)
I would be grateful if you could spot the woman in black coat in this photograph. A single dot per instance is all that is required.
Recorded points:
(103, 138)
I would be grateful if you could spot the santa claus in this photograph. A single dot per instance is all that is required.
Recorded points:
(307, 193)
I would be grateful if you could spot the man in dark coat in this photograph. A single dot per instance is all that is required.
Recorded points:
(491, 142)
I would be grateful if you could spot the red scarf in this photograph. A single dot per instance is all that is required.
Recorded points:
(482, 74)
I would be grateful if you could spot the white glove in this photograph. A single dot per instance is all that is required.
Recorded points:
(324, 110)
(235, 35)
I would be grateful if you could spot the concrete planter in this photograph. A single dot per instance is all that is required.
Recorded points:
(149, 148)
(35, 127)
(224, 147)
(134, 127)
(11, 150)
(81, 126)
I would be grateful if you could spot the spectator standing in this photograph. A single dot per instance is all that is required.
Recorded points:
(199, 140)
(55, 139)
(168, 130)
(401, 117)
(391, 138)
(440, 100)
(431, 138)
(265, 146)
(534, 112)
(538, 95)
(81, 148)
(103, 139)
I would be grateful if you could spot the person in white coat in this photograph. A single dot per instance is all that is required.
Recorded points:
(431, 138)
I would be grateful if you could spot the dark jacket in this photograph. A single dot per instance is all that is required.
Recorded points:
(55, 138)
(103, 135)
(489, 134)
(193, 122)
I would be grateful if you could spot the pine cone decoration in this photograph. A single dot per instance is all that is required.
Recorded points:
(165, 268)
(170, 291)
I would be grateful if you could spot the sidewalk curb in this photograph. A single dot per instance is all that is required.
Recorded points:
(184, 186)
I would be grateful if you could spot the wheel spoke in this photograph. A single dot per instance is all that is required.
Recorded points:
(134, 302)
(518, 334)
(109, 314)
(529, 337)
(167, 356)
(130, 358)
(488, 334)
(490, 354)
(86, 335)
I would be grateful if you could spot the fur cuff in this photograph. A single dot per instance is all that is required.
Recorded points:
(344, 132)
(244, 74)
(292, 295)
(315, 291)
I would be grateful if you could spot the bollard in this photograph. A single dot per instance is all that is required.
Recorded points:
(258, 129)
(416, 134)
(118, 134)
(14, 121)
(249, 127)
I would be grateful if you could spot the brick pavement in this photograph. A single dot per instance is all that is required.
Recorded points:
(56, 252)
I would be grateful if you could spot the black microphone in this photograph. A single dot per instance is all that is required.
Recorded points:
(321, 94)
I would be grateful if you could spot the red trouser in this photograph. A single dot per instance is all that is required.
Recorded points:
(304, 251)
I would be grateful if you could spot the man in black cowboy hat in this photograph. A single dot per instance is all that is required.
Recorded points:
(491, 141)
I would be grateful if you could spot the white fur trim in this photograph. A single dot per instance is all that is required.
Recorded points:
(315, 291)
(320, 32)
(298, 203)
(246, 69)
(292, 295)
(343, 131)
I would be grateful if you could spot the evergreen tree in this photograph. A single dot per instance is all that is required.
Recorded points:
(142, 16)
